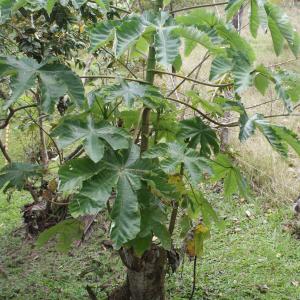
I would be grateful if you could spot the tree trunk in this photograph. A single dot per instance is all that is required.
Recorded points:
(145, 275)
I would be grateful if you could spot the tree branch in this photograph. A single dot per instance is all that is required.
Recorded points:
(11, 114)
(120, 9)
(5, 154)
(234, 124)
(206, 56)
(77, 152)
(114, 77)
(193, 80)
(197, 6)
(120, 62)
(50, 137)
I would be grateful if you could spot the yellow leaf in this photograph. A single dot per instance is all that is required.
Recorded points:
(176, 180)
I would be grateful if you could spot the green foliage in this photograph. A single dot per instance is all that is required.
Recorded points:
(54, 80)
(94, 135)
(223, 168)
(141, 153)
(198, 133)
(15, 175)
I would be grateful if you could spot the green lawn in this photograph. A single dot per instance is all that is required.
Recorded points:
(251, 258)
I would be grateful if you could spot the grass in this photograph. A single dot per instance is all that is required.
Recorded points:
(251, 253)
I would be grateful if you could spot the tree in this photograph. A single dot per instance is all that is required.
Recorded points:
(141, 158)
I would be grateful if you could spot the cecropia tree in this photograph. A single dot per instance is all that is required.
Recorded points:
(144, 148)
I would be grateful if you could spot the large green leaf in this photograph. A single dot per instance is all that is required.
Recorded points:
(198, 204)
(121, 172)
(153, 216)
(198, 133)
(55, 80)
(242, 74)
(74, 172)
(95, 135)
(15, 175)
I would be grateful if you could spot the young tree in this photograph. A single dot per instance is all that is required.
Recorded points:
(142, 158)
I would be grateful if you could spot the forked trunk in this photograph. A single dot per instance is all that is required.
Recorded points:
(145, 275)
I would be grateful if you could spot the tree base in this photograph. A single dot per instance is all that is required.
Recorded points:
(145, 275)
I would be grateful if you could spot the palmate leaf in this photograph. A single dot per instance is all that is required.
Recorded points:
(55, 80)
(234, 182)
(66, 232)
(242, 74)
(172, 155)
(278, 136)
(122, 172)
(15, 175)
(95, 135)
(198, 133)
(287, 84)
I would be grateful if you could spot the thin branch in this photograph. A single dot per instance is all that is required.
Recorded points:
(119, 61)
(206, 56)
(260, 104)
(120, 9)
(193, 80)
(50, 137)
(194, 278)
(197, 6)
(78, 151)
(3, 150)
(281, 115)
(11, 114)
(283, 63)
(234, 124)
(113, 77)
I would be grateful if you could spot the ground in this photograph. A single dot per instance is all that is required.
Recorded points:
(254, 256)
